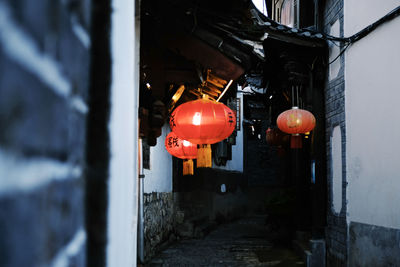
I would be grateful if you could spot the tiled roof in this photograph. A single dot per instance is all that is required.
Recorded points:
(263, 28)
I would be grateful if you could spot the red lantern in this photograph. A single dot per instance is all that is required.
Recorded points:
(203, 121)
(181, 149)
(295, 121)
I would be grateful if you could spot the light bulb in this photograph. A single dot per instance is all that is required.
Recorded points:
(196, 118)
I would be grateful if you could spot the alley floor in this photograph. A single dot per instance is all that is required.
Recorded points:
(244, 242)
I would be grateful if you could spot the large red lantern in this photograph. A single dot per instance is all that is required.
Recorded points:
(181, 149)
(203, 122)
(296, 121)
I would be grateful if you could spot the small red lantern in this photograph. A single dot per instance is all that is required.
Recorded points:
(203, 122)
(181, 149)
(296, 121)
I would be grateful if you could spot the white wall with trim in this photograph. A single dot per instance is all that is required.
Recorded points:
(159, 177)
(372, 70)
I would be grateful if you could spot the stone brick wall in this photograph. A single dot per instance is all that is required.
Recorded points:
(44, 76)
(159, 221)
(337, 232)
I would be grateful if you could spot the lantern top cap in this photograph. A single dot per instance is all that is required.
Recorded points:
(295, 107)
(207, 97)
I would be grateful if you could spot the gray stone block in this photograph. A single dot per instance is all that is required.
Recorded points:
(33, 118)
(34, 17)
(160, 221)
(35, 225)
(76, 137)
(74, 58)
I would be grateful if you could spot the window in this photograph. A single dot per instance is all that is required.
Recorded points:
(287, 13)
(336, 154)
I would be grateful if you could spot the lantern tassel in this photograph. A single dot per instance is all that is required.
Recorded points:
(204, 156)
(188, 167)
(296, 141)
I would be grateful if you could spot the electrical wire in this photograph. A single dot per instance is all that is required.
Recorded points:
(341, 52)
(361, 34)
(367, 30)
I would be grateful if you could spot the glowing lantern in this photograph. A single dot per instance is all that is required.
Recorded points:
(181, 149)
(203, 122)
(296, 121)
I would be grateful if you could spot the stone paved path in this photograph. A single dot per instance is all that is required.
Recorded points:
(245, 242)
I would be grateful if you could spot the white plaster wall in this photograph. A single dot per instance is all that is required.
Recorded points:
(372, 94)
(359, 14)
(236, 164)
(123, 129)
(334, 51)
(159, 177)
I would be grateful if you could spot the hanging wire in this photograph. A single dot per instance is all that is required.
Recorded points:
(292, 95)
(367, 30)
(341, 52)
(361, 34)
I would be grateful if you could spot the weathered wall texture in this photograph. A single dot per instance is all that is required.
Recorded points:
(336, 238)
(372, 70)
(372, 245)
(159, 220)
(44, 69)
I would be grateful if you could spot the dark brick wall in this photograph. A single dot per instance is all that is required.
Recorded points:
(37, 224)
(337, 232)
(44, 79)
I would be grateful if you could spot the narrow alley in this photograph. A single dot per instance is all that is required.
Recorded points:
(248, 241)
(199, 133)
